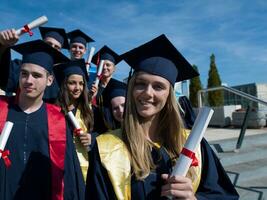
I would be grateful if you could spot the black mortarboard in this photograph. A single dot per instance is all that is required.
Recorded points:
(64, 70)
(160, 57)
(39, 53)
(58, 34)
(79, 37)
(105, 53)
(118, 89)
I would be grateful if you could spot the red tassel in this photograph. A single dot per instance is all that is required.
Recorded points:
(5, 155)
(190, 154)
(27, 30)
(77, 131)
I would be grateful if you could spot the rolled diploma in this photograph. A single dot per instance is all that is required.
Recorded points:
(73, 120)
(5, 135)
(183, 163)
(75, 123)
(89, 59)
(35, 23)
(99, 72)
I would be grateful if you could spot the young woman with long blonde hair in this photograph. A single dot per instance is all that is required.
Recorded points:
(135, 162)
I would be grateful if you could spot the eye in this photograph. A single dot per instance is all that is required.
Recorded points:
(24, 74)
(36, 75)
(158, 87)
(81, 83)
(139, 85)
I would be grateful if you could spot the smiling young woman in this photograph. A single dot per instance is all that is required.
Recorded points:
(135, 162)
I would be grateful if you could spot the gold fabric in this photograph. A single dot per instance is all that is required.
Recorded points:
(80, 149)
(115, 159)
(197, 169)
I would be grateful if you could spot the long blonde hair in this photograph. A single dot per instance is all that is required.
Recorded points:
(170, 127)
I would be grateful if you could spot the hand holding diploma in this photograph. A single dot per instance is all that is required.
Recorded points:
(188, 153)
(28, 27)
(3, 140)
(84, 137)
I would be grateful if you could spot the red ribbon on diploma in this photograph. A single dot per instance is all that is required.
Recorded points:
(5, 155)
(99, 76)
(27, 30)
(77, 131)
(190, 154)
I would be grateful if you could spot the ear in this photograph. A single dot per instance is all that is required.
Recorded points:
(50, 79)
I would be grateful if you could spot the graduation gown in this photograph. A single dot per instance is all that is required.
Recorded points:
(103, 118)
(214, 183)
(29, 176)
(9, 78)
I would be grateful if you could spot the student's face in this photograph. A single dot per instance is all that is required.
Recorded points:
(75, 86)
(33, 80)
(150, 94)
(117, 106)
(77, 50)
(53, 43)
(108, 69)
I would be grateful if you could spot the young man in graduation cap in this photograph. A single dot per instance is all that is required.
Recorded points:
(136, 161)
(78, 43)
(55, 37)
(44, 163)
(102, 112)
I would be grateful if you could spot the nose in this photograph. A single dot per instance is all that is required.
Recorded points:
(121, 108)
(148, 90)
(29, 78)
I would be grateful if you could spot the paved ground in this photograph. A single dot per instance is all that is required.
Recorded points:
(247, 168)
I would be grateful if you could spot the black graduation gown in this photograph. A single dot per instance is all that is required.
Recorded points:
(9, 78)
(103, 118)
(214, 185)
(29, 176)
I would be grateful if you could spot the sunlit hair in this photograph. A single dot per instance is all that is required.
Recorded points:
(83, 102)
(170, 128)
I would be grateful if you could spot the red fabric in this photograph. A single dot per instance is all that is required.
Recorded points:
(190, 154)
(5, 155)
(4, 111)
(57, 149)
(3, 118)
(27, 30)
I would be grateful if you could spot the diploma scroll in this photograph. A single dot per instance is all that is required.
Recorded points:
(185, 159)
(28, 27)
(3, 140)
(99, 72)
(76, 125)
(89, 59)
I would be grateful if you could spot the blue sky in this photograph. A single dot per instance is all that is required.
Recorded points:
(235, 31)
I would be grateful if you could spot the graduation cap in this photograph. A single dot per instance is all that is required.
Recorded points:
(118, 90)
(160, 57)
(79, 37)
(105, 53)
(71, 67)
(39, 53)
(58, 34)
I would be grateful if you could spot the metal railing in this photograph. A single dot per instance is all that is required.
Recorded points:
(239, 93)
(232, 90)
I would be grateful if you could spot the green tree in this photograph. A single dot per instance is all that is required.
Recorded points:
(215, 98)
(194, 86)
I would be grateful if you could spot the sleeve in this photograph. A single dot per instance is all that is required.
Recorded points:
(215, 183)
(98, 185)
